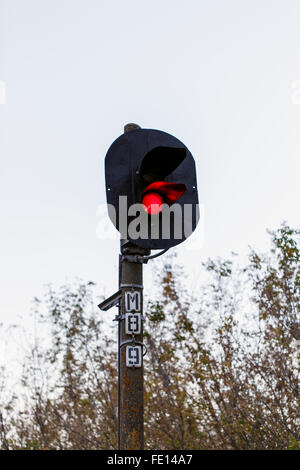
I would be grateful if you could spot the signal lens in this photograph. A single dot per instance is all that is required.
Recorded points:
(152, 203)
(171, 191)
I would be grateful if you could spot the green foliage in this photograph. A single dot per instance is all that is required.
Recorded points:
(156, 313)
(294, 444)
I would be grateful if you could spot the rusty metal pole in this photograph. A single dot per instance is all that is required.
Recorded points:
(131, 403)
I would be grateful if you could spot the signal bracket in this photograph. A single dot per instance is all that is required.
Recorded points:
(134, 259)
(111, 301)
(141, 259)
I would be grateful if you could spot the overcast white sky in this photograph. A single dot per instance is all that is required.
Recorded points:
(221, 75)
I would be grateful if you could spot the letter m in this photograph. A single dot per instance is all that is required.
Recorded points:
(132, 301)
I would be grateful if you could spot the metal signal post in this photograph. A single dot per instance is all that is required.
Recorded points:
(129, 299)
(131, 350)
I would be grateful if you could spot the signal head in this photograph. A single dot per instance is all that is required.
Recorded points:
(156, 170)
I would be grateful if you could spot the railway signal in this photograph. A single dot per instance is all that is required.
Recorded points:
(151, 188)
(152, 200)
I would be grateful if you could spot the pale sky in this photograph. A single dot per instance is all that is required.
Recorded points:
(223, 76)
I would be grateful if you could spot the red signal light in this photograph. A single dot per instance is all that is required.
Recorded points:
(152, 203)
(159, 193)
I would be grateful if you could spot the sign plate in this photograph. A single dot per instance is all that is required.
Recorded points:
(134, 356)
(132, 301)
(132, 323)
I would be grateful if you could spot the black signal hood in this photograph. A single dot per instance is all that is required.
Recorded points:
(160, 162)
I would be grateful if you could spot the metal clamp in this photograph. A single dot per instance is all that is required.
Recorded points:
(122, 317)
(134, 258)
(132, 341)
(138, 286)
(133, 253)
